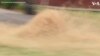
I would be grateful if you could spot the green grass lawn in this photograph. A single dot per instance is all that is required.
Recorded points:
(9, 51)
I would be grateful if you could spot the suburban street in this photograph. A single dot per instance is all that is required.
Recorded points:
(13, 16)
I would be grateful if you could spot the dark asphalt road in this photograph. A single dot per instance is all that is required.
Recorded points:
(13, 17)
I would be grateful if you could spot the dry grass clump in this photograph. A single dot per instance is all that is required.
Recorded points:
(54, 29)
(48, 22)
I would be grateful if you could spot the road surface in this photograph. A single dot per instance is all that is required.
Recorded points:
(13, 16)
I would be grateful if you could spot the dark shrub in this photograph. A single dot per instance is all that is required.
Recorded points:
(8, 4)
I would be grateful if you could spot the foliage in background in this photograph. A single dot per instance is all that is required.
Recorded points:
(8, 4)
(20, 7)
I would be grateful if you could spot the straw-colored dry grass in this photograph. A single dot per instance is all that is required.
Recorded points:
(49, 22)
(54, 29)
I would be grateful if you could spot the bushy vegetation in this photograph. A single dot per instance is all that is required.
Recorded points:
(8, 4)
